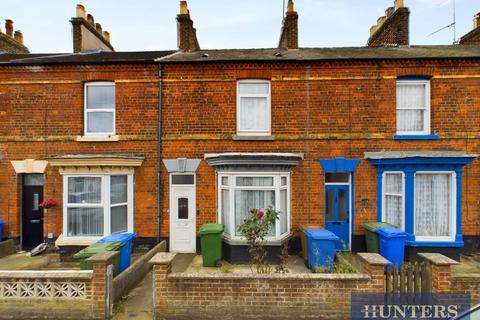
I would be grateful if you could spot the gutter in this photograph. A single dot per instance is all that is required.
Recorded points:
(159, 150)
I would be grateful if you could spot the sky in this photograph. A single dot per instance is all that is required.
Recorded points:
(148, 25)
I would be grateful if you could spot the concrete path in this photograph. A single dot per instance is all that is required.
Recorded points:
(139, 304)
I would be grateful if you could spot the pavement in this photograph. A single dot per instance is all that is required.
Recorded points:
(20, 261)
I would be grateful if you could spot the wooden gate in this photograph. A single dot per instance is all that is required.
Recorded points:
(411, 278)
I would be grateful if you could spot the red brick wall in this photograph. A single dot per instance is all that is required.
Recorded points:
(325, 110)
(42, 115)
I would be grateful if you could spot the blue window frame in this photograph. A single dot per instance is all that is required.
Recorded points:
(444, 172)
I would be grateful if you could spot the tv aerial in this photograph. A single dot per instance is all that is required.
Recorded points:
(452, 25)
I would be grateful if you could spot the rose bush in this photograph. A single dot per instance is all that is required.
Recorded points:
(254, 230)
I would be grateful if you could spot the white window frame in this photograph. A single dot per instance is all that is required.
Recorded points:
(453, 215)
(384, 195)
(104, 203)
(87, 110)
(426, 119)
(240, 131)
(277, 176)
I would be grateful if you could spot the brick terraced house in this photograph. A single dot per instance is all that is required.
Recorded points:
(329, 136)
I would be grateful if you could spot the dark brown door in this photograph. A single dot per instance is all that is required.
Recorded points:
(32, 213)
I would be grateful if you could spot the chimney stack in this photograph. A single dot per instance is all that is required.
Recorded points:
(289, 35)
(473, 37)
(391, 29)
(186, 33)
(9, 27)
(11, 42)
(88, 35)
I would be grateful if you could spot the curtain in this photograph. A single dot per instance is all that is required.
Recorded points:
(84, 190)
(283, 211)
(253, 113)
(254, 181)
(226, 210)
(119, 221)
(247, 199)
(433, 205)
(411, 107)
(85, 221)
(118, 189)
(393, 206)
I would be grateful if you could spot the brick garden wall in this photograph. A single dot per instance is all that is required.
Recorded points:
(324, 110)
(247, 296)
(42, 115)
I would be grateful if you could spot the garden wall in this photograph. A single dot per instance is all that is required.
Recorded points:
(58, 294)
(270, 296)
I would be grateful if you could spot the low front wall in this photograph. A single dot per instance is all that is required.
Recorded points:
(29, 294)
(59, 294)
(245, 296)
(467, 284)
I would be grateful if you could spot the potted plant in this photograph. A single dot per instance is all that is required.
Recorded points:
(47, 204)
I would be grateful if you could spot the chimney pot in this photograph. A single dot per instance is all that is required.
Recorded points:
(399, 4)
(476, 21)
(18, 36)
(389, 11)
(183, 7)
(91, 20)
(291, 6)
(9, 27)
(106, 35)
(80, 11)
(98, 27)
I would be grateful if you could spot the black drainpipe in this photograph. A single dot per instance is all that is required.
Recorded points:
(159, 150)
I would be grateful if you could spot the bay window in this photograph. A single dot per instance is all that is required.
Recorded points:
(238, 193)
(97, 205)
(431, 197)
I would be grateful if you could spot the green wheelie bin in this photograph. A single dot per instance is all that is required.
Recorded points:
(95, 248)
(211, 241)
(372, 239)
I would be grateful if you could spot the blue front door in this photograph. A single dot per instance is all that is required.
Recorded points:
(337, 213)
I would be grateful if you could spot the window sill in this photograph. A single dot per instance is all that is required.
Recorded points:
(238, 242)
(416, 137)
(444, 244)
(98, 138)
(253, 138)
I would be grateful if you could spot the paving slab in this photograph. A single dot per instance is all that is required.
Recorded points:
(20, 261)
(139, 303)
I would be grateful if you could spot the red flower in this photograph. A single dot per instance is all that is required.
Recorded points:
(260, 214)
(48, 203)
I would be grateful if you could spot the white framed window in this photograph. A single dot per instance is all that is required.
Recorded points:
(435, 206)
(99, 109)
(413, 107)
(253, 108)
(96, 205)
(393, 203)
(240, 192)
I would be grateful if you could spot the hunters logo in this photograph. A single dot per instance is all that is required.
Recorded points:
(408, 306)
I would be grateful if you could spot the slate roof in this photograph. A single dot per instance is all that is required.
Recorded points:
(92, 57)
(312, 54)
(239, 55)
(417, 154)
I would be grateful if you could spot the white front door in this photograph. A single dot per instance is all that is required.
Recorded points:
(182, 213)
